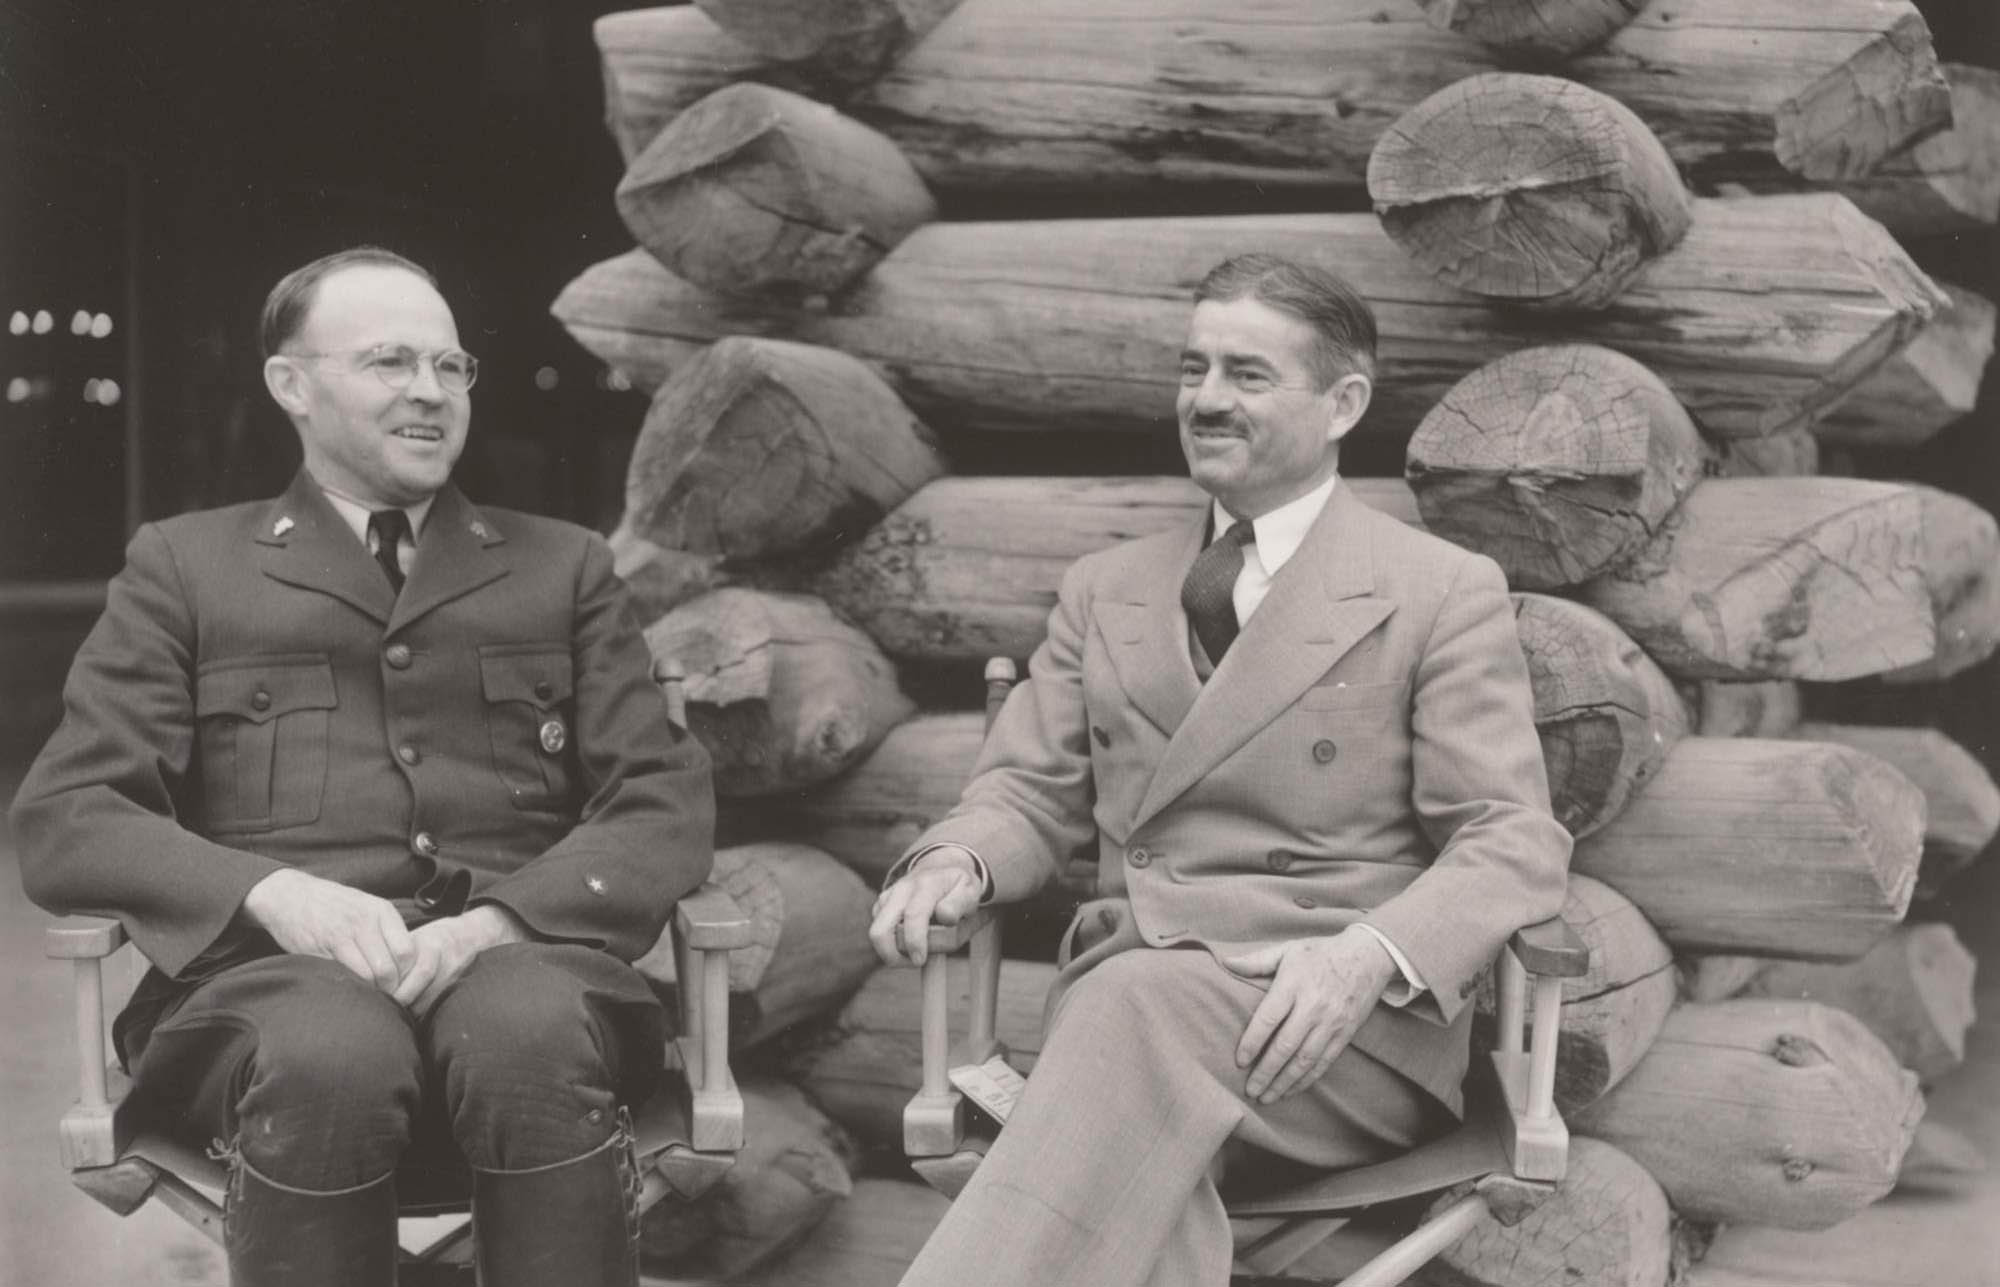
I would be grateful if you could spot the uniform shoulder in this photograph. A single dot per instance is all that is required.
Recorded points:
(535, 529)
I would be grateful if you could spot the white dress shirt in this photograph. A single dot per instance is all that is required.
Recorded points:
(356, 515)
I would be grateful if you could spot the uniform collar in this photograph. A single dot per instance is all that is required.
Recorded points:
(355, 514)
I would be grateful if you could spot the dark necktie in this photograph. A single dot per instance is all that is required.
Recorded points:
(389, 527)
(1209, 592)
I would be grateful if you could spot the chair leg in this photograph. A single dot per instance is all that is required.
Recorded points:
(1421, 1247)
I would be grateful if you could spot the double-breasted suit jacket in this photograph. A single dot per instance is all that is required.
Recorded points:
(255, 696)
(1365, 751)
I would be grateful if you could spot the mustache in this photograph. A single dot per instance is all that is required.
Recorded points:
(1212, 421)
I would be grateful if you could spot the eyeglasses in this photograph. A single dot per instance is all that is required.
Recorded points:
(396, 365)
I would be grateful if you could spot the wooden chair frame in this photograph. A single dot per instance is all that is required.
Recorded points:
(687, 1134)
(1512, 1148)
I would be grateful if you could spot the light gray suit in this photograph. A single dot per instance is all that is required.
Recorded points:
(1365, 751)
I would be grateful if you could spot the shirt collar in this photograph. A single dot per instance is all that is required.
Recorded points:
(1280, 532)
(355, 514)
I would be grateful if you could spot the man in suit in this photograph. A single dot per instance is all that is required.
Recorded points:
(380, 784)
(1299, 737)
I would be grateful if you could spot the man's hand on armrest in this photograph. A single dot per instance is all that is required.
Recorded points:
(942, 885)
(310, 916)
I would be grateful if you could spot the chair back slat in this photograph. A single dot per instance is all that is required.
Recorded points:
(1001, 676)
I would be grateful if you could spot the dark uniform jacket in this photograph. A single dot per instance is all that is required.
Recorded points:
(256, 696)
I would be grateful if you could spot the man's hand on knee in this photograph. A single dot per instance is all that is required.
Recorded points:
(1322, 989)
(310, 916)
(444, 947)
(942, 886)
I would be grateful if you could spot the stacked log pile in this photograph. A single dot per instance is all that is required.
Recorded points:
(1624, 299)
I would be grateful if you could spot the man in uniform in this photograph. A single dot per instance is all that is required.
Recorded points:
(379, 783)
(1298, 736)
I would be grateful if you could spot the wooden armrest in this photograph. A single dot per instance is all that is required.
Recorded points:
(1550, 948)
(945, 939)
(83, 937)
(709, 919)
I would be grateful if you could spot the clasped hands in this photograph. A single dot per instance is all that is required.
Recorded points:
(1321, 989)
(310, 916)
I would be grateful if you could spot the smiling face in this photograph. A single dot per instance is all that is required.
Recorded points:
(1255, 425)
(381, 446)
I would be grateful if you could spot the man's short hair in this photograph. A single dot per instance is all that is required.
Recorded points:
(285, 308)
(1339, 317)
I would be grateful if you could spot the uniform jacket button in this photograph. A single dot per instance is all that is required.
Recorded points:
(1324, 750)
(1279, 859)
(398, 656)
(544, 689)
(424, 845)
(260, 700)
(408, 754)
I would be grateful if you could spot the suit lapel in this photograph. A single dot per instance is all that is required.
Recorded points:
(454, 557)
(1147, 631)
(1320, 605)
(307, 544)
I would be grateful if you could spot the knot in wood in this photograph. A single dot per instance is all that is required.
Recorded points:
(1795, 1051)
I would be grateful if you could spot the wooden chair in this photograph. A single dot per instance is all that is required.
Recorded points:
(1511, 1149)
(688, 1133)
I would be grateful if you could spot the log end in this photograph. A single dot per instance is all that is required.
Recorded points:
(1533, 32)
(1607, 1224)
(1889, 92)
(1528, 189)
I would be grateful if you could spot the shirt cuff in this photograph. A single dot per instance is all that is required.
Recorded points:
(1406, 989)
(986, 877)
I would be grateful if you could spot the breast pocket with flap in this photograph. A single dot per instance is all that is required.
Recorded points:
(530, 715)
(261, 733)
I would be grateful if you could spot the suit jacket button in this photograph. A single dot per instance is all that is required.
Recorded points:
(1279, 859)
(1305, 902)
(423, 844)
(260, 700)
(398, 656)
(1324, 750)
(1138, 858)
(408, 754)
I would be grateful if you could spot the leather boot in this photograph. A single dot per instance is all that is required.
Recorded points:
(569, 1224)
(278, 1236)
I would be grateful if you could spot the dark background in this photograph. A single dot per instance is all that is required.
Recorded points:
(163, 164)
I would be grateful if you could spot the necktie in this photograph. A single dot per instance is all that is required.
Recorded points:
(1208, 594)
(388, 527)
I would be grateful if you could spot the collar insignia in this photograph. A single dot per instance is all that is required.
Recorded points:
(283, 525)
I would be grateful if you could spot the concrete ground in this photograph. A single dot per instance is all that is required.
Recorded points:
(52, 1235)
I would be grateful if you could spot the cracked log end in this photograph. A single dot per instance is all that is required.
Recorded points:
(1608, 1225)
(1557, 462)
(843, 42)
(1528, 189)
(756, 190)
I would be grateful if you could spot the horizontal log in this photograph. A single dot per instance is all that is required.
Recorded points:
(781, 692)
(1077, 325)
(1786, 1113)
(1961, 544)
(967, 568)
(1961, 802)
(760, 450)
(757, 189)
(1558, 462)
(1611, 1013)
(793, 1169)
(1930, 383)
(1779, 578)
(1913, 990)
(1533, 30)
(1608, 1225)
(1533, 190)
(864, 1066)
(1947, 181)
(1016, 95)
(1777, 848)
